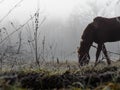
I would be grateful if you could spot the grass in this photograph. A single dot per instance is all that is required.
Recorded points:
(66, 75)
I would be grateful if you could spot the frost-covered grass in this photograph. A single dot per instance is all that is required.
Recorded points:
(65, 76)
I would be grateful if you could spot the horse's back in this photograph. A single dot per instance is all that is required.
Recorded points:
(102, 30)
(102, 21)
(107, 29)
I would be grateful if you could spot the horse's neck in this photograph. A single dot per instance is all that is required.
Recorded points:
(88, 45)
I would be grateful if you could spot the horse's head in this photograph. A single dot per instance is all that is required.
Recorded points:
(83, 53)
(87, 40)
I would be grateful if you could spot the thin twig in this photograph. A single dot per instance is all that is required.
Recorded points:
(16, 29)
(10, 10)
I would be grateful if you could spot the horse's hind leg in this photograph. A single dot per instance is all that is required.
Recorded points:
(99, 48)
(105, 53)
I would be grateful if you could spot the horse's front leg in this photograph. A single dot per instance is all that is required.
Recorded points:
(99, 48)
(87, 59)
(106, 55)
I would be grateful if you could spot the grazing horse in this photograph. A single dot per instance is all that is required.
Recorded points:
(100, 31)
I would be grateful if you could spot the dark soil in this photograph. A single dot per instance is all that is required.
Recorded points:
(41, 80)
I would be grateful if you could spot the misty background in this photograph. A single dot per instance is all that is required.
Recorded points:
(61, 24)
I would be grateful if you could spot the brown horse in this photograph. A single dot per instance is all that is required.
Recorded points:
(100, 31)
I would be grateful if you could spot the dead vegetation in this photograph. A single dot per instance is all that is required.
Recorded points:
(68, 78)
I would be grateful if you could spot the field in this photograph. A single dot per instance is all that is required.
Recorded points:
(39, 38)
(63, 76)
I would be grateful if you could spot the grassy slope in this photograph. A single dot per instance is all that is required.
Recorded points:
(64, 76)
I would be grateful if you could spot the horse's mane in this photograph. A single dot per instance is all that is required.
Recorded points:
(88, 32)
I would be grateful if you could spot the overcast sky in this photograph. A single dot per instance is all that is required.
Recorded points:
(51, 8)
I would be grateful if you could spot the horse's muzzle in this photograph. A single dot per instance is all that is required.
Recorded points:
(83, 60)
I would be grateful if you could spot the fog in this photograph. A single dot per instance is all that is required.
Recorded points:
(63, 24)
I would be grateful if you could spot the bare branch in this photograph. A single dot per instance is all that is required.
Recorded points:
(10, 10)
(17, 29)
